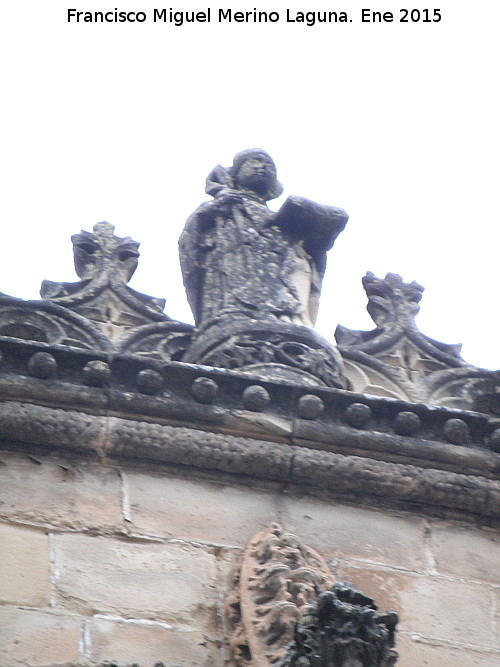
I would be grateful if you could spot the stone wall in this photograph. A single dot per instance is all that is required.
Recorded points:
(124, 563)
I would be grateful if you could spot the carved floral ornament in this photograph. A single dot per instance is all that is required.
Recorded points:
(286, 610)
(100, 312)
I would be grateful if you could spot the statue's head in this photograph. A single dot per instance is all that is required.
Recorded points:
(255, 170)
(252, 170)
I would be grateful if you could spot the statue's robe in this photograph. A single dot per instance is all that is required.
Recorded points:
(240, 258)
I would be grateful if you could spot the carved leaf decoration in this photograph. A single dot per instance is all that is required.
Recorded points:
(396, 359)
(278, 576)
(105, 263)
(47, 322)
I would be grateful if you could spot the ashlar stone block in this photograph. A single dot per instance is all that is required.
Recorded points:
(465, 552)
(433, 607)
(38, 639)
(25, 566)
(198, 510)
(61, 493)
(340, 531)
(146, 643)
(174, 583)
(414, 652)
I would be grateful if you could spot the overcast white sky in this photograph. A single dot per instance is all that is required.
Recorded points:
(398, 123)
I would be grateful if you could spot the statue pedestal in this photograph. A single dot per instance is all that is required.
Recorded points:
(269, 348)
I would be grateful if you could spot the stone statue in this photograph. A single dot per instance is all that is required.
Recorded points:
(253, 277)
(240, 258)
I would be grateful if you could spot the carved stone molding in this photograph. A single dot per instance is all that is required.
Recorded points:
(270, 350)
(49, 323)
(165, 341)
(278, 576)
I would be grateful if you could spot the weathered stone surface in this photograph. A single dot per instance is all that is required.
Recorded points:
(449, 609)
(194, 509)
(200, 449)
(339, 531)
(204, 390)
(496, 615)
(398, 361)
(62, 492)
(149, 381)
(456, 431)
(268, 350)
(334, 474)
(48, 323)
(355, 476)
(466, 552)
(245, 266)
(105, 263)
(239, 257)
(381, 432)
(67, 388)
(407, 423)
(96, 348)
(310, 406)
(256, 398)
(101, 312)
(416, 651)
(285, 608)
(138, 579)
(32, 638)
(147, 643)
(174, 401)
(253, 279)
(42, 365)
(47, 426)
(165, 341)
(25, 566)
(96, 373)
(358, 415)
(372, 441)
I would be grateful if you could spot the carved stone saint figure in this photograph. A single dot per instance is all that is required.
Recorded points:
(240, 259)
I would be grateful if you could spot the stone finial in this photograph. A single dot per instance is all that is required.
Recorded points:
(397, 360)
(101, 252)
(392, 302)
(393, 305)
(105, 263)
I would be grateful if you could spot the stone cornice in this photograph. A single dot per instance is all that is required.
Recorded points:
(327, 441)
